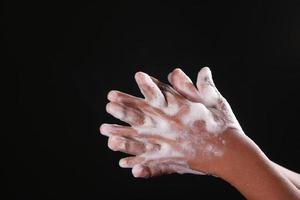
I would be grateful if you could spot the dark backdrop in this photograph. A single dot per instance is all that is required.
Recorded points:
(69, 55)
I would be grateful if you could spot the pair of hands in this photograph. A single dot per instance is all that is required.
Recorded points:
(175, 129)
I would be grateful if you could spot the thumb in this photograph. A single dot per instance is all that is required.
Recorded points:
(207, 89)
(204, 76)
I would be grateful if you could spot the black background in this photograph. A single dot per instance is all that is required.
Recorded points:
(69, 55)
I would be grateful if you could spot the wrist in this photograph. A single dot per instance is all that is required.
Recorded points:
(234, 147)
(239, 152)
(248, 169)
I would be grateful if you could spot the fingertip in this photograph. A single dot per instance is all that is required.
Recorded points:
(112, 95)
(116, 143)
(177, 71)
(111, 144)
(205, 72)
(206, 68)
(143, 78)
(108, 107)
(139, 75)
(178, 76)
(111, 107)
(139, 171)
(104, 129)
(204, 76)
(169, 77)
(123, 163)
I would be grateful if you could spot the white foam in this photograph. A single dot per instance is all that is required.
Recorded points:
(197, 112)
(212, 150)
(155, 125)
(187, 142)
(159, 99)
(183, 168)
(165, 151)
(211, 95)
(171, 109)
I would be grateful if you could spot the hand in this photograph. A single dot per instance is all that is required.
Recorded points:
(170, 132)
(192, 130)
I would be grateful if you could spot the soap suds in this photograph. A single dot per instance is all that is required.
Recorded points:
(171, 109)
(198, 112)
(183, 168)
(154, 125)
(212, 150)
(165, 151)
(157, 99)
(187, 139)
(186, 143)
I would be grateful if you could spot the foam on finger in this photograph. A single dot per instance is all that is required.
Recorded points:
(150, 90)
(184, 85)
(125, 113)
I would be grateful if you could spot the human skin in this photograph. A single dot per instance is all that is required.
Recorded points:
(184, 129)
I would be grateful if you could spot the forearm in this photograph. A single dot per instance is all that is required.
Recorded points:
(252, 173)
(292, 176)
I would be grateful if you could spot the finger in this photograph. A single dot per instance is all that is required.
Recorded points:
(126, 114)
(126, 145)
(151, 141)
(183, 84)
(129, 162)
(149, 89)
(117, 130)
(204, 78)
(174, 100)
(123, 98)
(165, 88)
(140, 171)
(151, 170)
(206, 87)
